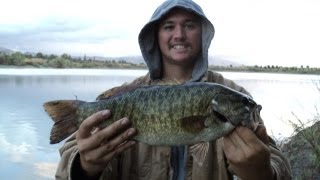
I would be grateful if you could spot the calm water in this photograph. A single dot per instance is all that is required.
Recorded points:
(25, 152)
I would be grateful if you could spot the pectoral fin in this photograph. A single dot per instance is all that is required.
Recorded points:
(193, 124)
(199, 152)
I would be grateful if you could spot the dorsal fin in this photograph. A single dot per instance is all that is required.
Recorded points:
(117, 90)
(134, 85)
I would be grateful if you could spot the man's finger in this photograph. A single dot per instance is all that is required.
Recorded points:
(228, 146)
(108, 133)
(114, 129)
(116, 143)
(234, 146)
(91, 122)
(248, 136)
(122, 138)
(262, 134)
(119, 150)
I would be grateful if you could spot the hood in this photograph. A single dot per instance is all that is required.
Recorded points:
(149, 44)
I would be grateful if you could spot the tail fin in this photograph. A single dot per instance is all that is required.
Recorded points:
(63, 113)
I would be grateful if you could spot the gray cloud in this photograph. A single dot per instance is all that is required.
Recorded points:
(39, 35)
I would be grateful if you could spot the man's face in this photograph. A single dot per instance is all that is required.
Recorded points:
(179, 37)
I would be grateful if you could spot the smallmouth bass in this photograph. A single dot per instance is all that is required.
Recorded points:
(170, 115)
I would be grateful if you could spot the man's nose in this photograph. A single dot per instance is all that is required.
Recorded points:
(180, 33)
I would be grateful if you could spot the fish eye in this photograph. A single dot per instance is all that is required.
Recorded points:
(246, 100)
(214, 102)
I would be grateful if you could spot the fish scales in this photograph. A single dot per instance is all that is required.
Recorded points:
(162, 112)
(168, 114)
(161, 118)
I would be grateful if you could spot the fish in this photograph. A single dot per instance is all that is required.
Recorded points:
(164, 115)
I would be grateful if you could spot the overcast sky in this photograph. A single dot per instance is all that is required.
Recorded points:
(263, 32)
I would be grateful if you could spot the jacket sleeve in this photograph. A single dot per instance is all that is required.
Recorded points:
(68, 153)
(279, 162)
(69, 166)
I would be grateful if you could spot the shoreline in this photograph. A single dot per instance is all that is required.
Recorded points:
(135, 68)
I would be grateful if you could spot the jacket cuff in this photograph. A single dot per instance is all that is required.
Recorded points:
(76, 171)
(74, 165)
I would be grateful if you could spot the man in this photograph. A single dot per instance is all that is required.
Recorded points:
(174, 45)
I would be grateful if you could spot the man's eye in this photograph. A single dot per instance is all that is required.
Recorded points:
(168, 27)
(190, 26)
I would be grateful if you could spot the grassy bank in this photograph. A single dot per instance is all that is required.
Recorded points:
(303, 152)
(40, 60)
(63, 61)
(303, 147)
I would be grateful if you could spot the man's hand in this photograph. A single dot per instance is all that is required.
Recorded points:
(98, 146)
(248, 153)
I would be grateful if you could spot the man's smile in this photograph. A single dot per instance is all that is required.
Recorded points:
(179, 46)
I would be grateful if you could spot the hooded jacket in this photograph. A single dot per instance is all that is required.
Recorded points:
(149, 44)
(144, 162)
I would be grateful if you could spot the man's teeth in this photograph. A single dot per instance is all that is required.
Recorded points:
(179, 47)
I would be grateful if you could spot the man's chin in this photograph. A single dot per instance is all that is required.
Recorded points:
(182, 60)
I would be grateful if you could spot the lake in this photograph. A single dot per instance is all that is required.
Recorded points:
(25, 152)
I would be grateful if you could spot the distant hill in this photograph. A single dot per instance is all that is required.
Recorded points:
(5, 50)
(132, 59)
(222, 61)
(213, 60)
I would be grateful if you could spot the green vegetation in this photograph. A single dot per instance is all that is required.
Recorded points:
(303, 148)
(268, 68)
(64, 61)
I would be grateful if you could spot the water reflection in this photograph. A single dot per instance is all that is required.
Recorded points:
(25, 127)
(282, 97)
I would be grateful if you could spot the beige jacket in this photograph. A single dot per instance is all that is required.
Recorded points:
(143, 162)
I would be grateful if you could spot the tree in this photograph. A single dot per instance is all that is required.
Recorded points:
(66, 56)
(52, 56)
(17, 59)
(60, 63)
(28, 55)
(39, 55)
(4, 59)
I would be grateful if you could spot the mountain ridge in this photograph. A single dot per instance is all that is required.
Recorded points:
(5, 50)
